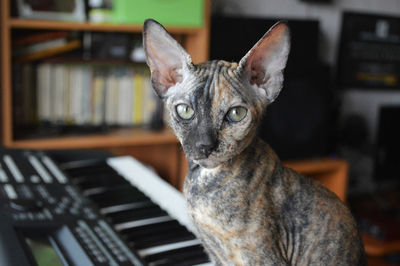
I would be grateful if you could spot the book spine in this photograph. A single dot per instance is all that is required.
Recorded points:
(138, 99)
(150, 101)
(86, 95)
(86, 112)
(44, 81)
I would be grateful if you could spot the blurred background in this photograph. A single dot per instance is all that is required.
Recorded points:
(74, 77)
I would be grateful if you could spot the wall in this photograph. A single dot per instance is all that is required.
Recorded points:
(365, 103)
(329, 15)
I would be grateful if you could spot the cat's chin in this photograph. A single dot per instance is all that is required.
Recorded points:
(207, 163)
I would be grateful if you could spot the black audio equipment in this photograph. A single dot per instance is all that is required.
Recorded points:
(387, 159)
(83, 213)
(300, 123)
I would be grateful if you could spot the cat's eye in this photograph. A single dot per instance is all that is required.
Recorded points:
(184, 111)
(236, 114)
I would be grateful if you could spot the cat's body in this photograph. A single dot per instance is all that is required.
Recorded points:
(248, 209)
(253, 211)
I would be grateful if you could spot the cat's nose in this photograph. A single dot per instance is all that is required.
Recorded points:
(206, 145)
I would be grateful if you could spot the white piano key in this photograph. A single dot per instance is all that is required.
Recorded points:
(158, 190)
(163, 248)
(10, 191)
(93, 191)
(40, 169)
(35, 179)
(13, 168)
(3, 176)
(54, 169)
(124, 207)
(142, 222)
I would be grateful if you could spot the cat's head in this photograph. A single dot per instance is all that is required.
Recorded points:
(215, 107)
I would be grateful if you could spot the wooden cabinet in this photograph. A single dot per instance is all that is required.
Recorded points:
(157, 148)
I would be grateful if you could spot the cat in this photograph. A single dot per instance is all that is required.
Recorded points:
(247, 208)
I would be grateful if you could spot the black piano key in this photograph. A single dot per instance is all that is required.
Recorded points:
(178, 235)
(118, 195)
(144, 230)
(183, 256)
(103, 180)
(183, 260)
(88, 168)
(189, 260)
(136, 214)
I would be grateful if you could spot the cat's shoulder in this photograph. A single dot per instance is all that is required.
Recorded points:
(307, 196)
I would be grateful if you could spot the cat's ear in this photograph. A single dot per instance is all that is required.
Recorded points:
(263, 65)
(165, 56)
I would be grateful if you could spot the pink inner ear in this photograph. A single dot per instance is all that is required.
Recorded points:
(172, 77)
(166, 63)
(168, 78)
(256, 60)
(257, 72)
(261, 53)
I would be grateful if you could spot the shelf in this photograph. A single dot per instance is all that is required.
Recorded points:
(316, 167)
(119, 138)
(159, 149)
(87, 26)
(332, 173)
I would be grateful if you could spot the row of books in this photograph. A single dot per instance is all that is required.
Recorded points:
(84, 94)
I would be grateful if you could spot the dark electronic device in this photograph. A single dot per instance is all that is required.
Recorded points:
(298, 125)
(47, 221)
(387, 163)
(83, 213)
(369, 52)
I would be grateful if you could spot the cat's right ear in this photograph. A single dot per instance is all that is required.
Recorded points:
(263, 65)
(165, 56)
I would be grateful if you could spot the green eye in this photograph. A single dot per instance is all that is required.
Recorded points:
(184, 111)
(236, 114)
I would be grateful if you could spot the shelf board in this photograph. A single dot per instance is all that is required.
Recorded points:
(17, 23)
(126, 137)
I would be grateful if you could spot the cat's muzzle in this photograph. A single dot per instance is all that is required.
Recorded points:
(205, 145)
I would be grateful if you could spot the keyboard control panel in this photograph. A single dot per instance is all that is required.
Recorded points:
(44, 215)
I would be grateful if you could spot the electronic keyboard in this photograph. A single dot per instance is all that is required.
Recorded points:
(114, 211)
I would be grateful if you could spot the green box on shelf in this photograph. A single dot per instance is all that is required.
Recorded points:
(168, 12)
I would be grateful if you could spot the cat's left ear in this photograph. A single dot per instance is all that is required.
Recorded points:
(263, 65)
(165, 56)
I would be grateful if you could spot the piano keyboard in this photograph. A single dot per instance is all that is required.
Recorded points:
(147, 212)
(108, 212)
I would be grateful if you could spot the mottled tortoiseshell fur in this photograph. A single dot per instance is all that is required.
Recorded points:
(248, 209)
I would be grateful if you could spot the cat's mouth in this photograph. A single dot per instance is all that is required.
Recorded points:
(207, 162)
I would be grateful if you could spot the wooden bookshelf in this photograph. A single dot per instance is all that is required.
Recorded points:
(114, 139)
(16, 23)
(143, 144)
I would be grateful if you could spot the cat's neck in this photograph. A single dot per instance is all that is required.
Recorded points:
(257, 152)
(257, 155)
